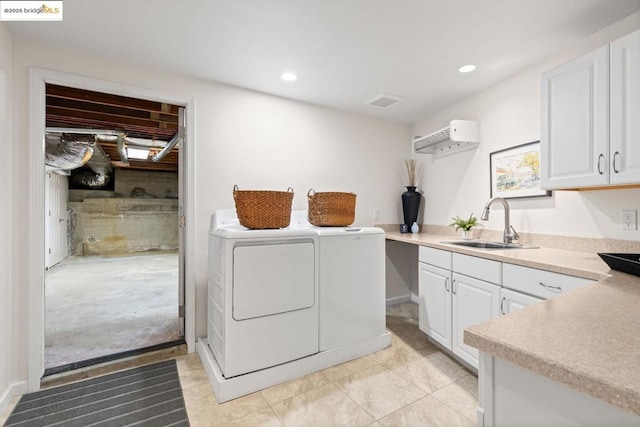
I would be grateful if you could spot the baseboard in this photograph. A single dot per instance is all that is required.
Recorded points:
(12, 390)
(398, 300)
(403, 298)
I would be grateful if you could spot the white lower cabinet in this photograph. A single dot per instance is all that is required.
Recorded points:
(434, 291)
(511, 301)
(474, 301)
(451, 302)
(509, 395)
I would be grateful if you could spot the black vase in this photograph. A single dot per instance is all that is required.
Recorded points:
(411, 205)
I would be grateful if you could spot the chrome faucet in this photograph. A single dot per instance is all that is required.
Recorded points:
(510, 233)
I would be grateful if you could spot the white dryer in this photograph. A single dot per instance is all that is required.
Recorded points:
(262, 295)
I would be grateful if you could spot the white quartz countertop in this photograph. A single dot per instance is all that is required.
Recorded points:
(587, 339)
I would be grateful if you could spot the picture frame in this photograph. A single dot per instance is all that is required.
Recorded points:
(515, 172)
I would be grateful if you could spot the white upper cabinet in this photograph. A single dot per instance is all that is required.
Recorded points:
(591, 119)
(625, 110)
(574, 140)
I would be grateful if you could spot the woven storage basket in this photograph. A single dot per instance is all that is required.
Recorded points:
(263, 209)
(331, 209)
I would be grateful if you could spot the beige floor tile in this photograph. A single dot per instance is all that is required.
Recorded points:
(323, 406)
(348, 368)
(462, 396)
(204, 410)
(379, 391)
(406, 313)
(427, 370)
(191, 371)
(426, 412)
(264, 418)
(410, 336)
(390, 353)
(294, 387)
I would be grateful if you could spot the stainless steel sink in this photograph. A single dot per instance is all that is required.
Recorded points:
(483, 244)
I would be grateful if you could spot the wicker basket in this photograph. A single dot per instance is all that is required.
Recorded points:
(263, 209)
(331, 209)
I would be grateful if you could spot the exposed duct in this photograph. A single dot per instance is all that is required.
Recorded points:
(68, 151)
(172, 143)
(122, 150)
(65, 155)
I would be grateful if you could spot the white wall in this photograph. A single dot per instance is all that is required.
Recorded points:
(6, 294)
(509, 114)
(247, 138)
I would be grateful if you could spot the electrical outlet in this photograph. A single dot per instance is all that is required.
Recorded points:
(630, 220)
(376, 214)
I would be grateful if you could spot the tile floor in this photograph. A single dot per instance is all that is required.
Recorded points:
(411, 383)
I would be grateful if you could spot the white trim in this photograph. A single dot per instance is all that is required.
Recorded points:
(37, 79)
(398, 300)
(415, 298)
(12, 390)
(403, 298)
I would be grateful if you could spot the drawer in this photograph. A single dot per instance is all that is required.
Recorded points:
(436, 257)
(480, 268)
(539, 283)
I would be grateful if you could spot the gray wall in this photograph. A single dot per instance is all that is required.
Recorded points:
(141, 214)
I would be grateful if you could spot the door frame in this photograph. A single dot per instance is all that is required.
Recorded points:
(38, 78)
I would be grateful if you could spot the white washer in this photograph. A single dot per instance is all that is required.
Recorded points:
(263, 295)
(352, 285)
(351, 281)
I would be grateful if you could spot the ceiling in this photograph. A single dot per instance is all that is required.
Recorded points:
(145, 124)
(345, 52)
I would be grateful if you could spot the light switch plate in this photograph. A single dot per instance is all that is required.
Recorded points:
(629, 220)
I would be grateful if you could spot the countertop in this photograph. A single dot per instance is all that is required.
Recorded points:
(587, 339)
(581, 264)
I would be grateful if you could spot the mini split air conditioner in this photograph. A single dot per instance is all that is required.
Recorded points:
(459, 135)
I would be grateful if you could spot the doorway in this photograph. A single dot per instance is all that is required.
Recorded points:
(114, 250)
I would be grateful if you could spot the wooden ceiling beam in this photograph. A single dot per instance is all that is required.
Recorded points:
(108, 99)
(115, 111)
(106, 118)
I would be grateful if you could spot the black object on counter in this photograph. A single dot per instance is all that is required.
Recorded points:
(626, 263)
(411, 205)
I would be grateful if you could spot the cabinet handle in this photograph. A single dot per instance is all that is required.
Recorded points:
(446, 284)
(615, 167)
(555, 288)
(453, 286)
(600, 157)
(502, 305)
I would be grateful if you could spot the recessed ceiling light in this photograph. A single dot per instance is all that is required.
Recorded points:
(288, 76)
(466, 68)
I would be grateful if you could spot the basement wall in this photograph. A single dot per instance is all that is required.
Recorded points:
(140, 215)
(134, 183)
(118, 226)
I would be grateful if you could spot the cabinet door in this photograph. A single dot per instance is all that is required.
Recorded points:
(474, 301)
(625, 110)
(511, 301)
(575, 123)
(434, 289)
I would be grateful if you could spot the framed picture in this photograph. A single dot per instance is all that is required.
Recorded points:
(515, 172)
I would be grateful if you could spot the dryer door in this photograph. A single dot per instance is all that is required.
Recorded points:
(269, 279)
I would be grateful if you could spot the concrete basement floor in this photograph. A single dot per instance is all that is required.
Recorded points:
(101, 305)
